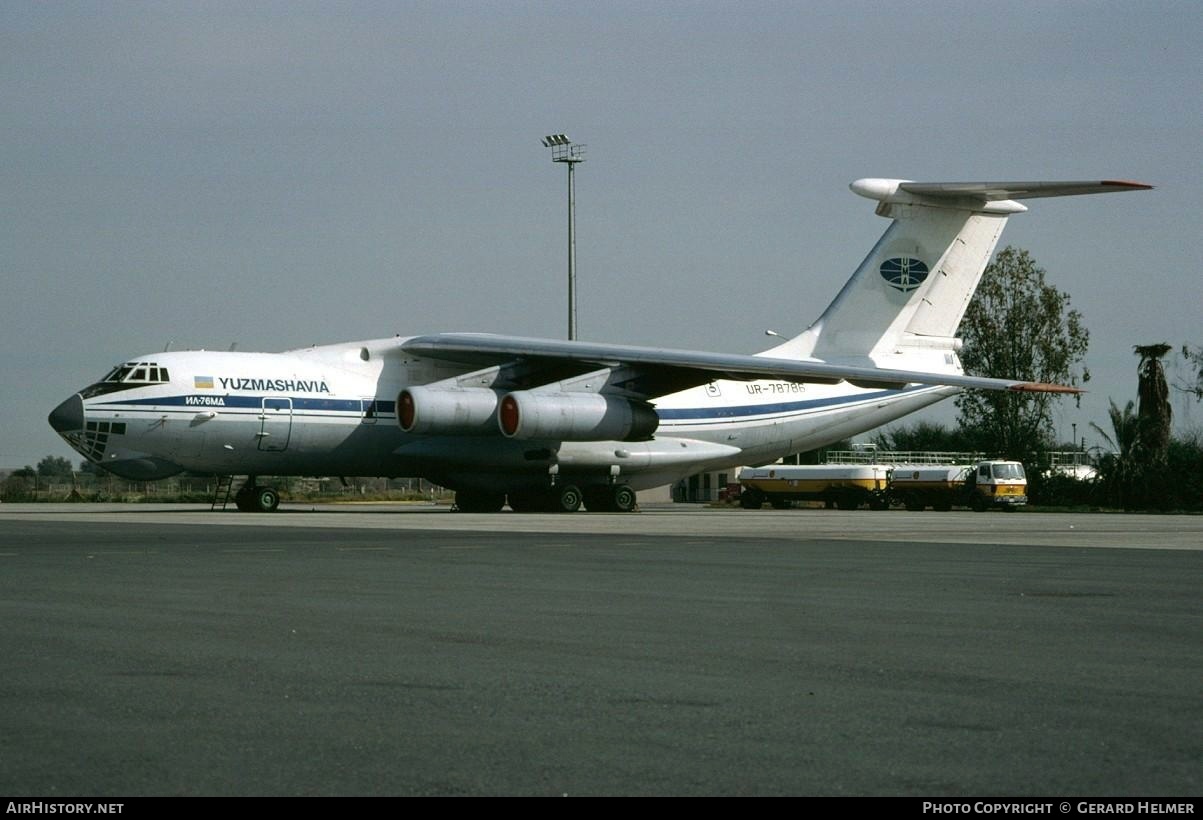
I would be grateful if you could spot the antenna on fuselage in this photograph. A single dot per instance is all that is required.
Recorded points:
(233, 346)
(167, 346)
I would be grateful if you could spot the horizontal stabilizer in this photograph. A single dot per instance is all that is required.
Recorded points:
(992, 197)
(994, 191)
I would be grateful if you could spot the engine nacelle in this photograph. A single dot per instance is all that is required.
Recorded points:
(464, 411)
(575, 417)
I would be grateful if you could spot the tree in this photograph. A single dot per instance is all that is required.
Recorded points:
(54, 467)
(924, 435)
(1018, 326)
(1194, 361)
(1155, 413)
(1116, 468)
(1154, 418)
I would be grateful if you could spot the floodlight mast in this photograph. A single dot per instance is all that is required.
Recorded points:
(565, 151)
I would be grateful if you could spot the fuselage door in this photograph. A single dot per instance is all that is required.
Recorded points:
(370, 411)
(275, 424)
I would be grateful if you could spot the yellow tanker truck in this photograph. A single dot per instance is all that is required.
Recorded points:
(846, 486)
(980, 486)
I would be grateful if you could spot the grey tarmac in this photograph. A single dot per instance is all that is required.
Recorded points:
(393, 650)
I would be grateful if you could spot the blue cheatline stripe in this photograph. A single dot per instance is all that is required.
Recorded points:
(742, 411)
(201, 401)
(383, 408)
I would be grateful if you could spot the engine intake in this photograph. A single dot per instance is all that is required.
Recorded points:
(575, 417)
(461, 411)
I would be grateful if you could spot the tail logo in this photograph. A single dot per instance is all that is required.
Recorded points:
(903, 273)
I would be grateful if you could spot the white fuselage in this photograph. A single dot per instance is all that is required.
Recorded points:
(331, 410)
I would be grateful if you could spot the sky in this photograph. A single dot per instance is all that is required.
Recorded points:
(282, 174)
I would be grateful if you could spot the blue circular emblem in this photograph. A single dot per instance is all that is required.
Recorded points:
(903, 273)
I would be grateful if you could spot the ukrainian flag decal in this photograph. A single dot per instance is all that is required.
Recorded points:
(202, 382)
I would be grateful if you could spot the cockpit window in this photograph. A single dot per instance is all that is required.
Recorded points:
(137, 372)
(118, 373)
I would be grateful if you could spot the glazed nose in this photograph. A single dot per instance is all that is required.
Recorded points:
(68, 417)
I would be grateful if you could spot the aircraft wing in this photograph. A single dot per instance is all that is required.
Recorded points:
(669, 370)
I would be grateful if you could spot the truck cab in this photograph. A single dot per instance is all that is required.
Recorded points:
(997, 484)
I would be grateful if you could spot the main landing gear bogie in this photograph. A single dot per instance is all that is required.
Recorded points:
(559, 498)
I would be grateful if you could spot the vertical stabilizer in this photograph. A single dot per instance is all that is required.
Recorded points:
(907, 297)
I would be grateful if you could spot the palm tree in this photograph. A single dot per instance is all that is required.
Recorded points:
(1155, 411)
(1119, 469)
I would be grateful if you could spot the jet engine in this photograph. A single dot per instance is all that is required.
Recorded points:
(457, 411)
(524, 414)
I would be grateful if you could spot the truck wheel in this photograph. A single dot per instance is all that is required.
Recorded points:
(978, 504)
(750, 500)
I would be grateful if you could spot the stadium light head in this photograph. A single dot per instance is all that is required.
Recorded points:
(556, 139)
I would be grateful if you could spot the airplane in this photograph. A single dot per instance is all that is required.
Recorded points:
(549, 425)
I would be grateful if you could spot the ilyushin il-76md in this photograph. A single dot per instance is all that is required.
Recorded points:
(544, 424)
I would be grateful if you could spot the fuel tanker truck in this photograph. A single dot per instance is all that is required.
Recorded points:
(846, 486)
(980, 486)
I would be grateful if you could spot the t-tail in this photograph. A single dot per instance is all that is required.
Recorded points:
(902, 306)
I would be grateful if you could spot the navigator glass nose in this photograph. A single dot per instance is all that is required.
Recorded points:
(68, 417)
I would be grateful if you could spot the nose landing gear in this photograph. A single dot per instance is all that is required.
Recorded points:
(253, 498)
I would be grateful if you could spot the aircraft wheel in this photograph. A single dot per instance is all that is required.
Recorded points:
(528, 502)
(244, 499)
(624, 498)
(567, 498)
(265, 499)
(476, 501)
(599, 499)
